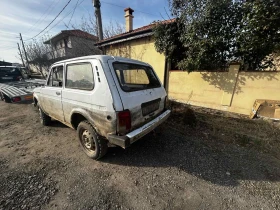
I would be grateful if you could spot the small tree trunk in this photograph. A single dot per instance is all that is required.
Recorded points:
(40, 70)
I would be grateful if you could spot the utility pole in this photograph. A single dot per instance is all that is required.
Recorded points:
(20, 55)
(27, 63)
(96, 4)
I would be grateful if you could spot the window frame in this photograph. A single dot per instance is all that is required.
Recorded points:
(79, 63)
(51, 75)
(141, 65)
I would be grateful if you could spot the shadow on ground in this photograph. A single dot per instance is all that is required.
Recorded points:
(57, 124)
(222, 164)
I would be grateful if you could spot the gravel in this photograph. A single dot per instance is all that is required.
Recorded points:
(21, 190)
(44, 168)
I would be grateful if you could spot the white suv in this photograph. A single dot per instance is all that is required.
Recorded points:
(108, 100)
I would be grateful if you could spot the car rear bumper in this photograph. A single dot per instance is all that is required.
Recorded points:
(128, 139)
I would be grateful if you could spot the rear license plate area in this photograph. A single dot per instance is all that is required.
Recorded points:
(150, 107)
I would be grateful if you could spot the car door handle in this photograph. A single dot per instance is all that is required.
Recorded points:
(57, 93)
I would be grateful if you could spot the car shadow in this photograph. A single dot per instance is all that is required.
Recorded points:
(223, 164)
(57, 124)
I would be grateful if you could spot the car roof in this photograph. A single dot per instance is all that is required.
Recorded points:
(102, 58)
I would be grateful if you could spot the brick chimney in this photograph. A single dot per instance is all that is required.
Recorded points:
(128, 19)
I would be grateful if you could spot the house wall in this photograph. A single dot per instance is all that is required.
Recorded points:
(81, 47)
(229, 91)
(142, 49)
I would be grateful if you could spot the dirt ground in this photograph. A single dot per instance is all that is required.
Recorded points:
(205, 167)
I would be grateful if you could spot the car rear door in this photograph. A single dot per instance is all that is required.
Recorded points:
(140, 90)
(79, 87)
(51, 93)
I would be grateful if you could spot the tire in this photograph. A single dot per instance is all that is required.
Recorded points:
(44, 119)
(6, 98)
(93, 145)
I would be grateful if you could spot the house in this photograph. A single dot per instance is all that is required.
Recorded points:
(72, 43)
(136, 44)
(233, 90)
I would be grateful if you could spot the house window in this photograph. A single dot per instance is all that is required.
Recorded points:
(69, 43)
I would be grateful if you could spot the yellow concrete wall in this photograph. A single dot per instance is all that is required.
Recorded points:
(193, 89)
(228, 91)
(255, 85)
(142, 49)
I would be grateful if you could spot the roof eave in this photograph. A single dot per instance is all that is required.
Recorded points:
(49, 40)
(126, 37)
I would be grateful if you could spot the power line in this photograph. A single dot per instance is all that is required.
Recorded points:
(133, 9)
(44, 16)
(51, 21)
(61, 19)
(73, 11)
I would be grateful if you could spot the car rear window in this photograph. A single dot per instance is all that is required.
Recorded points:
(134, 77)
(9, 71)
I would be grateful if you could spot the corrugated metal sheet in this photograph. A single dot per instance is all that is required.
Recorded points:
(20, 88)
(11, 91)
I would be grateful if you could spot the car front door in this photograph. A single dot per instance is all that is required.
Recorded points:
(51, 94)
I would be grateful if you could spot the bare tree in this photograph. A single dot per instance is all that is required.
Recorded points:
(113, 28)
(40, 55)
(88, 24)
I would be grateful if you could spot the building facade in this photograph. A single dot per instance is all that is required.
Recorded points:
(72, 43)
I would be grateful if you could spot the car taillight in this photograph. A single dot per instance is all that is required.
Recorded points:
(19, 78)
(124, 122)
(16, 99)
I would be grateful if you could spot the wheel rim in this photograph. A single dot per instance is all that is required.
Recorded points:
(87, 140)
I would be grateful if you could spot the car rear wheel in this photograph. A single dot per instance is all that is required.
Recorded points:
(5, 98)
(44, 119)
(93, 144)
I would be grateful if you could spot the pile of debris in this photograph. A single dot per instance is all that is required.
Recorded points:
(266, 109)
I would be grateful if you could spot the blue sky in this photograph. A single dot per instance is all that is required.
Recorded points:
(31, 16)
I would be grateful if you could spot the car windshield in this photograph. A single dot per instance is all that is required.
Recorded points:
(133, 77)
(9, 71)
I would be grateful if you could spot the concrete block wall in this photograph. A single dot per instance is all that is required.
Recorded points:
(232, 91)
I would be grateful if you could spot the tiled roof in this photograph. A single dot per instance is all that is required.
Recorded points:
(75, 32)
(143, 29)
(80, 33)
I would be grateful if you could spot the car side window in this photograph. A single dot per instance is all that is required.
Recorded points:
(56, 77)
(79, 76)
